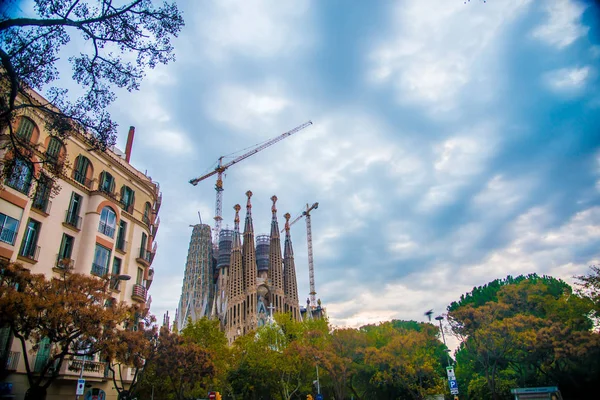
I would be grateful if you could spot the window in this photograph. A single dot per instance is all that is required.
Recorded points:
(20, 176)
(144, 253)
(65, 252)
(41, 358)
(116, 271)
(29, 246)
(140, 276)
(107, 183)
(121, 244)
(25, 129)
(8, 229)
(82, 164)
(147, 209)
(127, 199)
(72, 218)
(101, 259)
(108, 221)
(53, 150)
(42, 194)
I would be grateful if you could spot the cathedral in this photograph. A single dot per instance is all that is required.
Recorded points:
(245, 281)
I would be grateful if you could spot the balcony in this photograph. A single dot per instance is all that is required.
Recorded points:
(138, 293)
(79, 177)
(106, 229)
(127, 207)
(12, 359)
(121, 245)
(19, 181)
(99, 270)
(7, 235)
(145, 257)
(72, 220)
(30, 252)
(63, 262)
(41, 204)
(92, 370)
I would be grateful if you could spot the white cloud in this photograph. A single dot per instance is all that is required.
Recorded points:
(171, 142)
(255, 28)
(567, 79)
(563, 26)
(248, 109)
(432, 55)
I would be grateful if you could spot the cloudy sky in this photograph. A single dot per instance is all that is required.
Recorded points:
(452, 143)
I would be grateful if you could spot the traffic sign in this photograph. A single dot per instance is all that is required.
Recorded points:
(80, 387)
(454, 391)
(453, 384)
(319, 396)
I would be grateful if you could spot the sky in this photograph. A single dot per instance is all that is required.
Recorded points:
(452, 143)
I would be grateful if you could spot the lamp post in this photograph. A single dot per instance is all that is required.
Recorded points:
(439, 318)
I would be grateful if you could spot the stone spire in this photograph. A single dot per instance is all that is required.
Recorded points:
(249, 264)
(235, 288)
(290, 285)
(276, 263)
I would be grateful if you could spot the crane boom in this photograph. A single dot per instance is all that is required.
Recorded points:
(311, 266)
(220, 169)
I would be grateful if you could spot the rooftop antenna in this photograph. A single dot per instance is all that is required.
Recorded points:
(200, 217)
(429, 314)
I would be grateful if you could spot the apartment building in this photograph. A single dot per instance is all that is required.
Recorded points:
(103, 221)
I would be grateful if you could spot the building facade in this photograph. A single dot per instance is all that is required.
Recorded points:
(103, 221)
(251, 279)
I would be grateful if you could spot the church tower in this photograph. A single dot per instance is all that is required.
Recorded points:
(290, 284)
(250, 271)
(235, 284)
(276, 264)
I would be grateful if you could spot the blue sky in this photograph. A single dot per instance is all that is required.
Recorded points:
(452, 143)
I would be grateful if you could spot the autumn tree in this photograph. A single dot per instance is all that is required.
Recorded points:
(117, 43)
(182, 364)
(135, 347)
(71, 315)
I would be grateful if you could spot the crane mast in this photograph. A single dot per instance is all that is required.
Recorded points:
(311, 266)
(221, 168)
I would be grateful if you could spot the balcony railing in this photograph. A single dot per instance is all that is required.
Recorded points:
(106, 229)
(63, 262)
(139, 292)
(7, 235)
(12, 359)
(20, 182)
(30, 251)
(145, 256)
(99, 270)
(42, 203)
(73, 220)
(81, 178)
(127, 207)
(121, 245)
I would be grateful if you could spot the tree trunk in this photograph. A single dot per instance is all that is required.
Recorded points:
(35, 393)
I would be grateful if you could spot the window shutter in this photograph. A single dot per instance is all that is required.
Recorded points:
(112, 185)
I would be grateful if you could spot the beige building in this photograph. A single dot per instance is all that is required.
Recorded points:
(103, 221)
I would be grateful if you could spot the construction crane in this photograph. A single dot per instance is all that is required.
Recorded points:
(311, 265)
(220, 169)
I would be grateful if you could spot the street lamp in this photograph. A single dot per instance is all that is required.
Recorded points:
(439, 318)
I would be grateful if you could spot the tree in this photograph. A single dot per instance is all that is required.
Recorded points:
(590, 286)
(135, 347)
(71, 316)
(182, 364)
(120, 43)
(207, 333)
(525, 331)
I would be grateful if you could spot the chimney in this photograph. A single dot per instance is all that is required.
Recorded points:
(129, 143)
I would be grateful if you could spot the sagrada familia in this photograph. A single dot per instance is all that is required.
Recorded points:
(246, 282)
